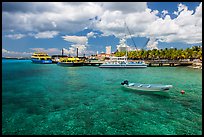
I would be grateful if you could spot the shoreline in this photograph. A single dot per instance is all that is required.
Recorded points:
(195, 65)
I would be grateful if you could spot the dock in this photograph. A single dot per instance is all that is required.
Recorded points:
(85, 63)
(150, 63)
(92, 63)
(171, 63)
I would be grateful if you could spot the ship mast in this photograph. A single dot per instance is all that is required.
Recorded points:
(130, 35)
(126, 56)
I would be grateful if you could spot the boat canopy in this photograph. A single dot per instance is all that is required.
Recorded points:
(40, 55)
(68, 59)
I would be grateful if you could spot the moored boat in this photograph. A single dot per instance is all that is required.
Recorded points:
(122, 62)
(41, 58)
(56, 58)
(146, 87)
(70, 62)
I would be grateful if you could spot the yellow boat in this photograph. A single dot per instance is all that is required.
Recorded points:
(41, 57)
(70, 62)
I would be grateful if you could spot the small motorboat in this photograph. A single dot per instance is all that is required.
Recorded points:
(146, 87)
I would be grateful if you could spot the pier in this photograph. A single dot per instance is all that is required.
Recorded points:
(92, 63)
(171, 63)
(150, 63)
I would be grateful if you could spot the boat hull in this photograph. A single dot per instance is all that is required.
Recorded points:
(69, 64)
(123, 66)
(148, 87)
(41, 61)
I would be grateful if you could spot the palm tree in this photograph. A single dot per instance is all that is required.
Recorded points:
(189, 53)
(119, 54)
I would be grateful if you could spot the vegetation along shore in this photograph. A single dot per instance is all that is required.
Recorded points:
(193, 55)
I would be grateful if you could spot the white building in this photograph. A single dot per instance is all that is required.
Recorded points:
(108, 49)
(122, 46)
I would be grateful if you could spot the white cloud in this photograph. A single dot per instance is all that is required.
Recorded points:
(91, 34)
(54, 24)
(15, 36)
(37, 49)
(164, 12)
(50, 51)
(125, 7)
(122, 43)
(73, 50)
(198, 11)
(46, 34)
(80, 42)
(152, 44)
(4, 51)
(142, 21)
(76, 39)
(162, 27)
(186, 27)
(7, 53)
(54, 16)
(175, 12)
(190, 26)
(181, 7)
(66, 51)
(112, 22)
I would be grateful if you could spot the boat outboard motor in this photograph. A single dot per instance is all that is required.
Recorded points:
(125, 82)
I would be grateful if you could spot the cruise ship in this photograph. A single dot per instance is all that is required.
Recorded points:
(41, 58)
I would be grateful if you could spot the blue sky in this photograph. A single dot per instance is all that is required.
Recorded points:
(49, 27)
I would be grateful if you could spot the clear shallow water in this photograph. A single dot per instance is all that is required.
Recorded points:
(50, 99)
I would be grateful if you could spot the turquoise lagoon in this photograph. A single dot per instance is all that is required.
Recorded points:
(46, 99)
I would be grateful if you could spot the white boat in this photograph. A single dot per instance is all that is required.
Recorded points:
(122, 62)
(146, 87)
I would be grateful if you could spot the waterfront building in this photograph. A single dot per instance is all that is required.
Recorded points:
(122, 46)
(103, 56)
(108, 49)
(121, 49)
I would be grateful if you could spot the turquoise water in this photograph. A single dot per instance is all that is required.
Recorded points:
(48, 99)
